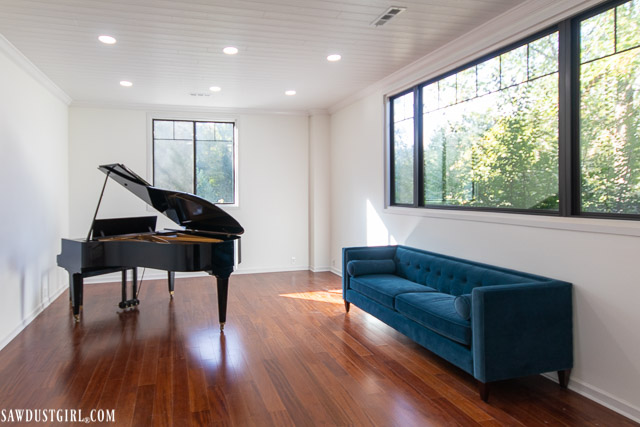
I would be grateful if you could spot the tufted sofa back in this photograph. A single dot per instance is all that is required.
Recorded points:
(451, 275)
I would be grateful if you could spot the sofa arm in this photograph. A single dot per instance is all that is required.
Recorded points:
(363, 253)
(521, 329)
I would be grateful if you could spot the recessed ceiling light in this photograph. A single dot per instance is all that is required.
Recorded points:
(290, 92)
(333, 58)
(230, 50)
(126, 83)
(215, 88)
(107, 39)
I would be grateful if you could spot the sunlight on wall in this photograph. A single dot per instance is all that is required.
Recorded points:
(377, 232)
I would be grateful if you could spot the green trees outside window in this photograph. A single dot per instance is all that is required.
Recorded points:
(490, 132)
(610, 111)
(195, 157)
(403, 148)
(489, 135)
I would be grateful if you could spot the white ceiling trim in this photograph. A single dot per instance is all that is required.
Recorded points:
(515, 24)
(23, 62)
(186, 108)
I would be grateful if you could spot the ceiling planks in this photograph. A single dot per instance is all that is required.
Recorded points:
(170, 49)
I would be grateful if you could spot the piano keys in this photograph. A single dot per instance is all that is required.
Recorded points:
(205, 243)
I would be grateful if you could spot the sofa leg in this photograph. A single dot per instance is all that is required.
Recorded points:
(483, 389)
(563, 377)
(347, 305)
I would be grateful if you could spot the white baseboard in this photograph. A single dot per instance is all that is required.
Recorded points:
(319, 269)
(25, 322)
(600, 396)
(270, 270)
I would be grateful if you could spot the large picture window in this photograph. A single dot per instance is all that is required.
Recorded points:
(610, 111)
(195, 157)
(490, 131)
(490, 135)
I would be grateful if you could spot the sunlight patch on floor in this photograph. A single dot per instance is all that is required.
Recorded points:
(331, 295)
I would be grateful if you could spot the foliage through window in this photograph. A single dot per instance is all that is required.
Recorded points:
(610, 111)
(195, 157)
(490, 135)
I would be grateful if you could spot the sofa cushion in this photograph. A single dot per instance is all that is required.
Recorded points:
(437, 312)
(462, 304)
(449, 275)
(384, 288)
(371, 266)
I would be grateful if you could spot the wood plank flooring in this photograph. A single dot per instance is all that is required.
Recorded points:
(289, 355)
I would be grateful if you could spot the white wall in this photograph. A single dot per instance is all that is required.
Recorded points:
(273, 178)
(319, 191)
(33, 183)
(598, 256)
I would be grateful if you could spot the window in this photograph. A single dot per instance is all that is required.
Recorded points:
(610, 111)
(195, 157)
(403, 149)
(508, 133)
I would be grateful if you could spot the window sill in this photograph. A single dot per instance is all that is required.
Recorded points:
(586, 225)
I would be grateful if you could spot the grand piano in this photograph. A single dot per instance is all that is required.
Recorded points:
(205, 243)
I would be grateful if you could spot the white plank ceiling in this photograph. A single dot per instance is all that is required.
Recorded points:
(173, 49)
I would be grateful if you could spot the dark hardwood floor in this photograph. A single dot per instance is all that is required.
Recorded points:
(289, 355)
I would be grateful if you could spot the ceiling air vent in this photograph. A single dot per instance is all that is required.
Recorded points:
(387, 15)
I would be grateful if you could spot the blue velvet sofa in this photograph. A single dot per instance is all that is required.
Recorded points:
(492, 322)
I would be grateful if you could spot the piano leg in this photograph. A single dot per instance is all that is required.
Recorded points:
(76, 283)
(223, 287)
(70, 290)
(134, 286)
(172, 279)
(123, 303)
(126, 303)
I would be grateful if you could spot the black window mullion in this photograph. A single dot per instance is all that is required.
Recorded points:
(194, 158)
(418, 174)
(392, 162)
(568, 118)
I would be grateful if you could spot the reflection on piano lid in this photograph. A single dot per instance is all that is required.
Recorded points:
(185, 209)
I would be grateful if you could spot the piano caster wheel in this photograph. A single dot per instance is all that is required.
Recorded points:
(76, 318)
(222, 327)
(128, 303)
(171, 294)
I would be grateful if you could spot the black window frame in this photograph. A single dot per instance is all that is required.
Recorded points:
(569, 174)
(193, 166)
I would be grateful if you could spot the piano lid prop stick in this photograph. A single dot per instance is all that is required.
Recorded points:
(98, 207)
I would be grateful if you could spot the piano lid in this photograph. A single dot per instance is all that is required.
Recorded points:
(188, 210)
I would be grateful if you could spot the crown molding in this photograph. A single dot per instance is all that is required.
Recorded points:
(185, 108)
(318, 112)
(516, 23)
(27, 66)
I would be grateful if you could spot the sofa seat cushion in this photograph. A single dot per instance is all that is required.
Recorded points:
(383, 288)
(437, 312)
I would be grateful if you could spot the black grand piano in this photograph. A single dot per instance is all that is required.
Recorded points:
(207, 242)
